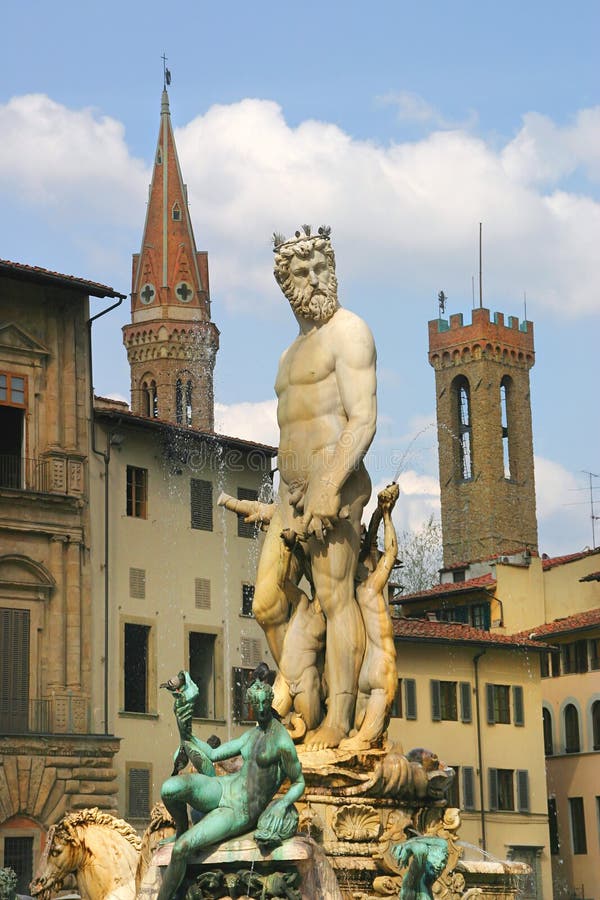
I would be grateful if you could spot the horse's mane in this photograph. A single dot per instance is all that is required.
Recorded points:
(93, 816)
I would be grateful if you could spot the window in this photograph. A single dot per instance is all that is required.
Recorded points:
(137, 492)
(241, 678)
(14, 670)
(149, 399)
(518, 705)
(596, 725)
(581, 658)
(501, 789)
(544, 665)
(577, 816)
(443, 701)
(567, 652)
(594, 648)
(18, 856)
(572, 740)
(201, 502)
(453, 792)
(463, 428)
(522, 790)
(246, 529)
(176, 212)
(555, 664)
(138, 791)
(396, 707)
(498, 704)
(505, 396)
(205, 655)
(410, 698)
(247, 598)
(202, 670)
(12, 424)
(135, 667)
(553, 826)
(548, 738)
(478, 615)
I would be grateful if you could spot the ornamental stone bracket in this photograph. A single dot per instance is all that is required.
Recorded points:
(44, 777)
(64, 473)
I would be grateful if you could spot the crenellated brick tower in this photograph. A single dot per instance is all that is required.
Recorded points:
(171, 342)
(484, 435)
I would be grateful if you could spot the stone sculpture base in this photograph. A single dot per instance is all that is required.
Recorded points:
(298, 864)
(358, 828)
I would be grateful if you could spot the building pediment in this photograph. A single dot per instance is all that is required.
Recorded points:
(16, 341)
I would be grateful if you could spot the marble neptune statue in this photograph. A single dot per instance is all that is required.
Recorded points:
(326, 391)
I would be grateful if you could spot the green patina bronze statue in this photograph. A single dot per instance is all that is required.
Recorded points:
(230, 804)
(426, 859)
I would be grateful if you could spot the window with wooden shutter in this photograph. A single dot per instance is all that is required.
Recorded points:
(137, 492)
(410, 697)
(250, 651)
(489, 694)
(241, 680)
(518, 707)
(202, 670)
(246, 529)
(453, 791)
(553, 826)
(138, 792)
(396, 707)
(466, 713)
(202, 593)
(522, 790)
(578, 835)
(436, 710)
(137, 584)
(201, 504)
(468, 785)
(247, 599)
(493, 788)
(14, 670)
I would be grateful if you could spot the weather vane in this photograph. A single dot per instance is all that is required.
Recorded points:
(166, 73)
(442, 302)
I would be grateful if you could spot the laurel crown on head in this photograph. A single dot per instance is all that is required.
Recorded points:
(305, 234)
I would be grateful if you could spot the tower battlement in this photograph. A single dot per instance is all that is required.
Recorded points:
(486, 336)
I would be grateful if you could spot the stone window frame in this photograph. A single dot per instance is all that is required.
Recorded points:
(218, 666)
(151, 711)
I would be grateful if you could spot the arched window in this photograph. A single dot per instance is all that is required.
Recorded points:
(179, 402)
(463, 428)
(505, 399)
(176, 212)
(596, 725)
(149, 399)
(188, 402)
(548, 741)
(572, 742)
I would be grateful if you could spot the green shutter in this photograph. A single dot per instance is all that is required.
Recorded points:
(410, 695)
(489, 693)
(518, 709)
(246, 529)
(436, 704)
(522, 790)
(466, 714)
(493, 788)
(201, 504)
(468, 780)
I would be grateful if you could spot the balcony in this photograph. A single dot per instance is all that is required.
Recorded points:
(56, 715)
(21, 474)
(55, 473)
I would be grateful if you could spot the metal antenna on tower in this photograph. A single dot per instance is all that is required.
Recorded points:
(592, 516)
(480, 275)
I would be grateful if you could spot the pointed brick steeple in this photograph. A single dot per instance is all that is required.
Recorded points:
(171, 342)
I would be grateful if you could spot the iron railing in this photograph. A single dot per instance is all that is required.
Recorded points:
(56, 715)
(26, 474)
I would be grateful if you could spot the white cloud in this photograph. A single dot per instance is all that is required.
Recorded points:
(251, 421)
(554, 487)
(409, 209)
(411, 107)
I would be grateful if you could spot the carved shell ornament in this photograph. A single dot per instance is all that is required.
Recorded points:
(356, 823)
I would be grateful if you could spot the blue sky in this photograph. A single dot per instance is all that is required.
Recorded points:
(400, 125)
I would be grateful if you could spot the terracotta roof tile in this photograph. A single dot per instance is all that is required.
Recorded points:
(47, 275)
(577, 622)
(551, 561)
(457, 587)
(455, 632)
